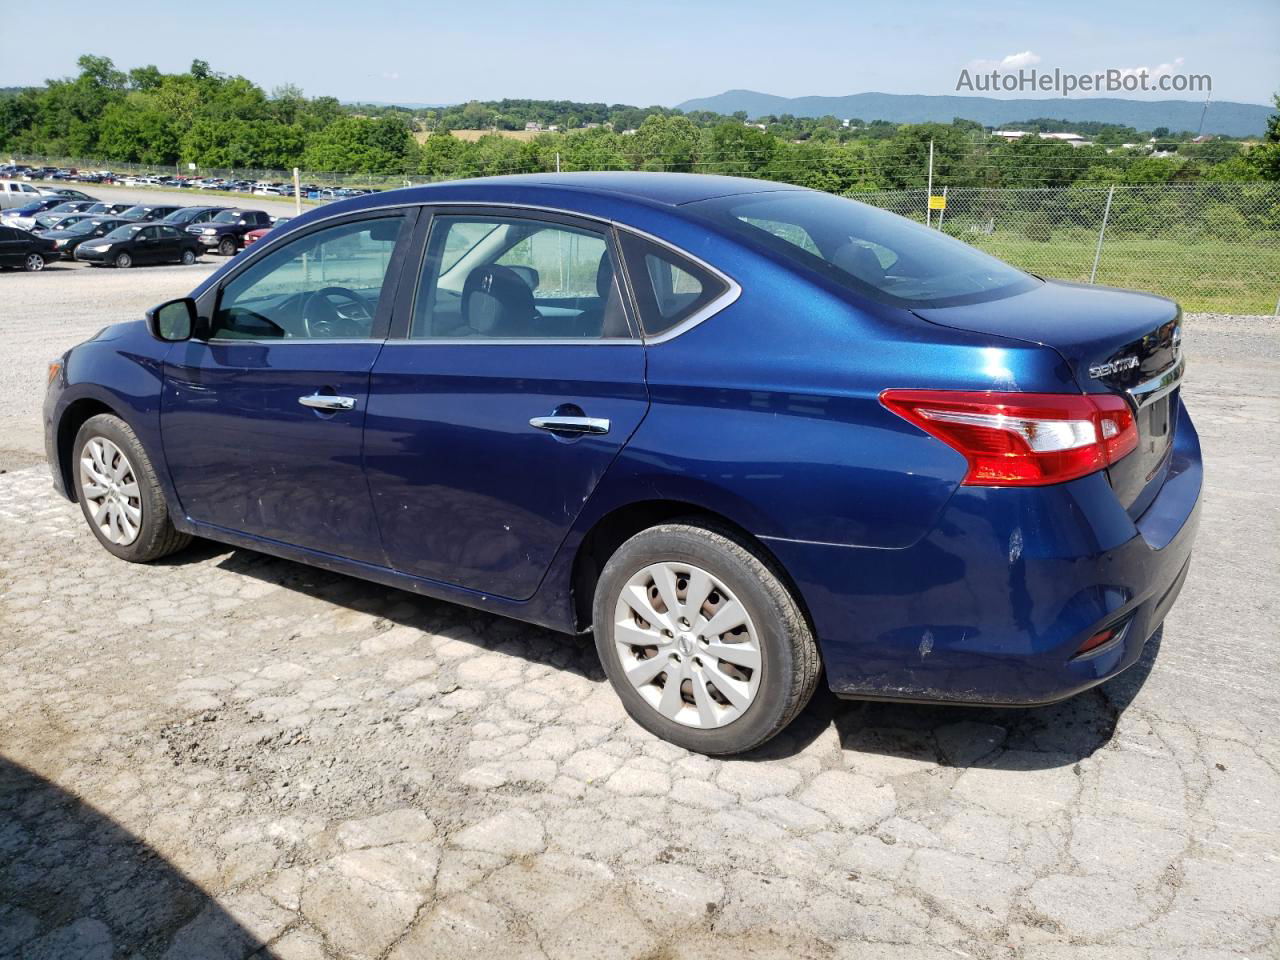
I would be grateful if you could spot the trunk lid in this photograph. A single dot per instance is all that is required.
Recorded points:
(1115, 341)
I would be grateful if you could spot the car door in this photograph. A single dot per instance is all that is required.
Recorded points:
(513, 379)
(13, 247)
(167, 245)
(263, 416)
(142, 246)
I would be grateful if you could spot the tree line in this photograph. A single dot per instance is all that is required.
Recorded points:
(219, 121)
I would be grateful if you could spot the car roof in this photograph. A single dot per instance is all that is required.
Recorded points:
(651, 189)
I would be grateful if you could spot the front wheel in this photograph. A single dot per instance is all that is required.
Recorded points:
(702, 640)
(227, 247)
(34, 262)
(124, 261)
(119, 494)
(188, 257)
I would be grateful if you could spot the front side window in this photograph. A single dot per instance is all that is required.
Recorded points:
(499, 278)
(326, 284)
(879, 254)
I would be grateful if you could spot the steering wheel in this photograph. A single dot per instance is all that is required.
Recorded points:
(321, 317)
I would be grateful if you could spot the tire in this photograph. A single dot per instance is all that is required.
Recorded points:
(123, 261)
(772, 667)
(33, 263)
(227, 247)
(188, 257)
(145, 513)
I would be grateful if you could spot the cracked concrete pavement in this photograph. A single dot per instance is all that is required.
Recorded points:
(229, 755)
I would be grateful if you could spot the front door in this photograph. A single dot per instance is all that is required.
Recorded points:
(263, 418)
(512, 383)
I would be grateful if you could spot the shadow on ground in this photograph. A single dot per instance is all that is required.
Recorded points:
(959, 736)
(75, 884)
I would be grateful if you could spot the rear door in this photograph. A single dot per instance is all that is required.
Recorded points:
(511, 383)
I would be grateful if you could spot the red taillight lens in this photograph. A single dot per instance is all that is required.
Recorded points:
(1022, 439)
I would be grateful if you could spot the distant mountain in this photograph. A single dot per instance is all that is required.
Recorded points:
(1224, 117)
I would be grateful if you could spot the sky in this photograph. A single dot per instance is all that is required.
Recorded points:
(665, 51)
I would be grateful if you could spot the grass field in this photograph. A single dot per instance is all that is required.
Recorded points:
(1206, 275)
(471, 135)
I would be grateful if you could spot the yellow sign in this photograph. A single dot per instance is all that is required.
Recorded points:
(937, 203)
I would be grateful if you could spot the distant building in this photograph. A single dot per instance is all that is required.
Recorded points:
(1072, 138)
(533, 126)
(1203, 138)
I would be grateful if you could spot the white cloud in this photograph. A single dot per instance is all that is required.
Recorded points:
(390, 75)
(1014, 61)
(1163, 70)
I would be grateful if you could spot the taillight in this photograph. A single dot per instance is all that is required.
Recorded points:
(1022, 439)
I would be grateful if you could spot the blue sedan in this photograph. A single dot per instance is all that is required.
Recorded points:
(747, 434)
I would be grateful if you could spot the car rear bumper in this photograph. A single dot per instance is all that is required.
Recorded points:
(994, 603)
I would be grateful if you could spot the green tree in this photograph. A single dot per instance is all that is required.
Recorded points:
(666, 143)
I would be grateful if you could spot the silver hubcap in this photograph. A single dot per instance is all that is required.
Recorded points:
(35, 262)
(687, 645)
(110, 491)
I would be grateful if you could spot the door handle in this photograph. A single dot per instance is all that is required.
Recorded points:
(571, 424)
(321, 401)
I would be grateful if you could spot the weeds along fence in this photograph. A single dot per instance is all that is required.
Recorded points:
(1212, 246)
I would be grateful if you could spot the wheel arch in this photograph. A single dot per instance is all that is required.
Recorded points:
(77, 413)
(614, 528)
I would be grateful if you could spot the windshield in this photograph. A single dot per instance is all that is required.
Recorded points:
(125, 232)
(138, 211)
(227, 216)
(876, 253)
(84, 226)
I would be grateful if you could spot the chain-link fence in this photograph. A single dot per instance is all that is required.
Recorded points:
(1211, 246)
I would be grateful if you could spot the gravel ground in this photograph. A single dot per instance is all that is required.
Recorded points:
(227, 755)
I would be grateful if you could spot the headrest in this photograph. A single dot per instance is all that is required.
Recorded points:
(496, 301)
(859, 260)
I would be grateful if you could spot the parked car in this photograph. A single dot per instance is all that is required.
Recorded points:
(253, 236)
(16, 193)
(108, 209)
(225, 232)
(185, 217)
(67, 193)
(46, 219)
(54, 222)
(139, 243)
(18, 248)
(25, 217)
(148, 211)
(811, 438)
(67, 240)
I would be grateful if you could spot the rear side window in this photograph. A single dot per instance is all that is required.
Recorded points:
(670, 288)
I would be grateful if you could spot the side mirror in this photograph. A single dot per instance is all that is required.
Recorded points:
(173, 321)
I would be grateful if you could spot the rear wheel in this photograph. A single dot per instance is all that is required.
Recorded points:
(34, 262)
(188, 257)
(123, 261)
(227, 247)
(702, 641)
(119, 494)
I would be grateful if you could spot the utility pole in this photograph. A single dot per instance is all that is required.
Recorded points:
(297, 194)
(928, 193)
(557, 161)
(1097, 254)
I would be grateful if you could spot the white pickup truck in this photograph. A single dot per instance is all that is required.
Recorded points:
(17, 193)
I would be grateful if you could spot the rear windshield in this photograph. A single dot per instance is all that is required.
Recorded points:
(879, 254)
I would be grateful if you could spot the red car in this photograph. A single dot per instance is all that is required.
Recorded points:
(253, 236)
